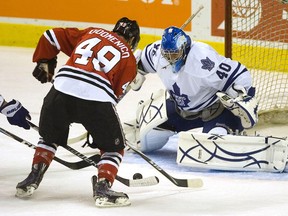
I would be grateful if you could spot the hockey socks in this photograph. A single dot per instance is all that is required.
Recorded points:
(109, 164)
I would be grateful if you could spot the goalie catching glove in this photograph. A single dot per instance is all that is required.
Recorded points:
(244, 106)
(44, 70)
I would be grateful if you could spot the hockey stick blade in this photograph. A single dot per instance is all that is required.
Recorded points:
(72, 165)
(191, 183)
(149, 181)
(77, 139)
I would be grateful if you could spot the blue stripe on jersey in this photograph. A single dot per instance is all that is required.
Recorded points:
(233, 77)
(148, 57)
(235, 74)
(208, 103)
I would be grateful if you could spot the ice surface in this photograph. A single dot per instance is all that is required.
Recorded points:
(69, 192)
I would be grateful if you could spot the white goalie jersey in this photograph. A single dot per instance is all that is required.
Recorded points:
(205, 73)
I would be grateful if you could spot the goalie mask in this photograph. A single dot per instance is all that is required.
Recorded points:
(128, 29)
(175, 46)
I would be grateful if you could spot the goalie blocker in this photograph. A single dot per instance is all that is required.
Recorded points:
(233, 153)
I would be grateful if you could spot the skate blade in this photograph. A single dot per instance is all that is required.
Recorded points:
(24, 193)
(103, 202)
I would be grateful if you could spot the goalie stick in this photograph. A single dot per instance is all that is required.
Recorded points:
(191, 17)
(148, 181)
(77, 139)
(191, 183)
(72, 165)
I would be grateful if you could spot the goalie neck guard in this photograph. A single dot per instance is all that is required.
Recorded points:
(129, 29)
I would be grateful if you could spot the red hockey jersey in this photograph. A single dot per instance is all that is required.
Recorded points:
(101, 63)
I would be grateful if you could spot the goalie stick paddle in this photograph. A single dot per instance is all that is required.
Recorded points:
(72, 165)
(148, 181)
(191, 17)
(77, 139)
(191, 183)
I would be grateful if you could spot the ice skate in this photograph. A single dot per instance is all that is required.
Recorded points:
(105, 197)
(27, 187)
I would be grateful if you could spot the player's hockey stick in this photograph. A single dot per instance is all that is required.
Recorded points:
(148, 181)
(71, 165)
(191, 183)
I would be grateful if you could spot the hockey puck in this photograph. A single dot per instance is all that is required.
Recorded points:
(137, 176)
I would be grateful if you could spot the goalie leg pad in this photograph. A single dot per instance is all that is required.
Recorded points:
(141, 133)
(155, 139)
(231, 152)
(131, 131)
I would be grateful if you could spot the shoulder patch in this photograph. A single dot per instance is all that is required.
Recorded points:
(207, 64)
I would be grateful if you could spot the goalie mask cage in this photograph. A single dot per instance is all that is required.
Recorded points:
(256, 34)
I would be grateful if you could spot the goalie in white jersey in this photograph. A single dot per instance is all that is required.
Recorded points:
(206, 89)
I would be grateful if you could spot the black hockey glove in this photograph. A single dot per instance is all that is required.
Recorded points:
(44, 70)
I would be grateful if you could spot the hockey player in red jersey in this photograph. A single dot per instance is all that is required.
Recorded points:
(85, 90)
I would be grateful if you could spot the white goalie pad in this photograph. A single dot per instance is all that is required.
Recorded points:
(233, 153)
(142, 132)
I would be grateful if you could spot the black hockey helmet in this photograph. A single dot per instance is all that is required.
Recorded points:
(128, 29)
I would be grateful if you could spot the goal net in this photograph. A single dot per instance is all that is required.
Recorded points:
(256, 34)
